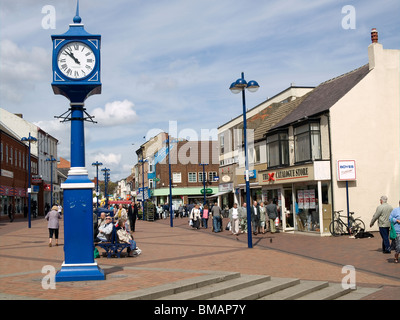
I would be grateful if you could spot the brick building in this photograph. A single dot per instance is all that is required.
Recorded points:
(14, 156)
(186, 158)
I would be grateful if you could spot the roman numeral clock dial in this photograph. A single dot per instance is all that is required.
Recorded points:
(76, 60)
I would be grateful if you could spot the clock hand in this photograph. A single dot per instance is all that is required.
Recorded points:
(73, 57)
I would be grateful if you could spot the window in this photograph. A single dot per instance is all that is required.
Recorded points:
(176, 177)
(278, 149)
(201, 176)
(256, 154)
(221, 144)
(212, 175)
(307, 142)
(192, 176)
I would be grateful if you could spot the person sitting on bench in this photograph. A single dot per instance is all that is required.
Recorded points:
(125, 237)
(105, 231)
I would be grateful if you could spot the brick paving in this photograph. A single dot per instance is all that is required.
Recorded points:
(172, 254)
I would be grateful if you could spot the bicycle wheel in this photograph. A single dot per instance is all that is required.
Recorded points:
(358, 225)
(336, 228)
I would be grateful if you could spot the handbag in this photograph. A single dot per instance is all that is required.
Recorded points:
(392, 234)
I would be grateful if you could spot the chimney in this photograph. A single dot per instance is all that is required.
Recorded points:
(375, 51)
(374, 35)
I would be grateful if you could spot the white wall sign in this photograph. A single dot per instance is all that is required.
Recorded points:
(346, 170)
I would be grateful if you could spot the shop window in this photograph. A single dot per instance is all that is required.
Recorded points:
(307, 142)
(278, 149)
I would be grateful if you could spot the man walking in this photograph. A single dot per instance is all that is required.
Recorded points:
(382, 214)
(216, 213)
(255, 217)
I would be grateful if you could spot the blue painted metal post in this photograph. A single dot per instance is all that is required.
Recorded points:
(170, 186)
(29, 185)
(348, 206)
(79, 264)
(249, 229)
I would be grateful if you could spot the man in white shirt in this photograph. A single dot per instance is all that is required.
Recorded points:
(234, 218)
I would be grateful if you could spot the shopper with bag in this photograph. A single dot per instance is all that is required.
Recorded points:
(195, 217)
(394, 219)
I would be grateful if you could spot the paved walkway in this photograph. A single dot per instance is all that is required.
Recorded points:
(172, 254)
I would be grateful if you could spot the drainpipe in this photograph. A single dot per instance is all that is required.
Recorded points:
(331, 162)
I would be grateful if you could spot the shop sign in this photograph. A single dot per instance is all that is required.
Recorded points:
(287, 174)
(252, 174)
(346, 170)
(6, 173)
(225, 187)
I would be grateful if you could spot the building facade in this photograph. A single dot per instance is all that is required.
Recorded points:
(189, 178)
(338, 149)
(44, 148)
(14, 175)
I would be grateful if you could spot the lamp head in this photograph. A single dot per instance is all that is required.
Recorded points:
(234, 89)
(253, 86)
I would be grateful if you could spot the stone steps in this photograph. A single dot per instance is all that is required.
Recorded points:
(235, 286)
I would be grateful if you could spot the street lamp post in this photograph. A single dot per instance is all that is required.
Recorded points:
(97, 165)
(236, 87)
(51, 159)
(170, 184)
(142, 161)
(29, 139)
(106, 177)
(204, 182)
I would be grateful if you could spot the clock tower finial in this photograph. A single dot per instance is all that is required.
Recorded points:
(77, 18)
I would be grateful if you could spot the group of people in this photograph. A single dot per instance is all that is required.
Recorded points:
(263, 217)
(120, 221)
(388, 222)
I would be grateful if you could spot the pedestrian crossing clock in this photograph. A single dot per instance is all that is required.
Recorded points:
(76, 62)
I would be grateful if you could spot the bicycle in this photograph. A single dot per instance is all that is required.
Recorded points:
(338, 227)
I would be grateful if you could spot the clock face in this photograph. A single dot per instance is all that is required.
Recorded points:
(76, 60)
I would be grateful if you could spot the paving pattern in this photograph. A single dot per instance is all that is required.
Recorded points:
(171, 254)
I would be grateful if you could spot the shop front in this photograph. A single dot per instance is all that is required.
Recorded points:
(302, 194)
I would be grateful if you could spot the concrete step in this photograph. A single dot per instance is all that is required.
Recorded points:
(234, 286)
(331, 292)
(217, 289)
(303, 287)
(358, 294)
(157, 292)
(259, 290)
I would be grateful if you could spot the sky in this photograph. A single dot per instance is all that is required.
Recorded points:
(169, 64)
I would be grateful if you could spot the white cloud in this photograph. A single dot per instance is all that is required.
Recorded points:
(21, 69)
(108, 159)
(115, 113)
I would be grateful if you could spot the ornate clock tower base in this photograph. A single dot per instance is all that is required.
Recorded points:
(79, 264)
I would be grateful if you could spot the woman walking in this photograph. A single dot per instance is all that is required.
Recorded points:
(195, 216)
(394, 218)
(53, 224)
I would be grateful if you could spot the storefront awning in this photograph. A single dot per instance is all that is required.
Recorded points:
(219, 194)
(191, 191)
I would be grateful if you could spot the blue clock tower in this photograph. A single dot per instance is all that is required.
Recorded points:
(76, 75)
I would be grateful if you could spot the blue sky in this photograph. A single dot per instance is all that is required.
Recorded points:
(174, 60)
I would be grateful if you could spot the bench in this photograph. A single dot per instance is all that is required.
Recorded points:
(113, 247)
